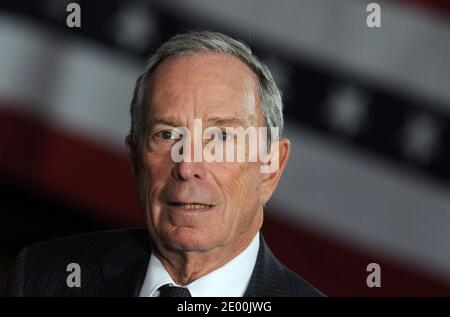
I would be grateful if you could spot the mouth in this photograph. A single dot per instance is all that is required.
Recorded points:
(190, 206)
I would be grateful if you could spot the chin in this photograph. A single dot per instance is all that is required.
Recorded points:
(191, 239)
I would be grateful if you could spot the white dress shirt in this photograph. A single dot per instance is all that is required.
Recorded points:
(230, 280)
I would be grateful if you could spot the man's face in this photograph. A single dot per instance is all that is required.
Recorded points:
(222, 91)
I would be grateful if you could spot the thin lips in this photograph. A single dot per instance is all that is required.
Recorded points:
(188, 203)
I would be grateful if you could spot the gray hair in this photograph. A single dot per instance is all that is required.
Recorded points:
(213, 42)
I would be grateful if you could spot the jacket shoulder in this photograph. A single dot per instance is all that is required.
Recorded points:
(299, 286)
(41, 269)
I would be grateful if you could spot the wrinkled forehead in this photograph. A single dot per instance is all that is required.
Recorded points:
(204, 85)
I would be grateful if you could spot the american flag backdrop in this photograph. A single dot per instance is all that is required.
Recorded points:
(367, 111)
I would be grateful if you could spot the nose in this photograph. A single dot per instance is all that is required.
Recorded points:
(185, 171)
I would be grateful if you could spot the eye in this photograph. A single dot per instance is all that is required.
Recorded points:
(223, 135)
(167, 135)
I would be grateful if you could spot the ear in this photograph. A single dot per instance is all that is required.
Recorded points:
(280, 151)
(133, 156)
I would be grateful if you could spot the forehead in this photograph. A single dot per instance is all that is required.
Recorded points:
(204, 84)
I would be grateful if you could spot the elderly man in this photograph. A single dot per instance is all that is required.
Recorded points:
(203, 216)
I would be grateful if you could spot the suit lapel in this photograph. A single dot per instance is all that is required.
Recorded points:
(124, 268)
(126, 283)
(268, 277)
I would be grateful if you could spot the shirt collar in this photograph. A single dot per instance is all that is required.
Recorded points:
(230, 280)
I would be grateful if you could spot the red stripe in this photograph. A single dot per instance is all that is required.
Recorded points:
(85, 174)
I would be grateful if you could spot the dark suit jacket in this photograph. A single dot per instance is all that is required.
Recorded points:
(114, 263)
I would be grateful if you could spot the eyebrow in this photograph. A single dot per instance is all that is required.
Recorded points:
(225, 122)
(214, 121)
(169, 121)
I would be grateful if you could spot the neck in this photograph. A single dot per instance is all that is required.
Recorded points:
(187, 266)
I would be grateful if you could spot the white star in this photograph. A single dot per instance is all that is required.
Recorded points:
(346, 109)
(135, 26)
(421, 134)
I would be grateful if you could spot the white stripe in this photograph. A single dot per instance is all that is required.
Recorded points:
(410, 51)
(348, 195)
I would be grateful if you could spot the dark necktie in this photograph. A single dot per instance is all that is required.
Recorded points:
(173, 291)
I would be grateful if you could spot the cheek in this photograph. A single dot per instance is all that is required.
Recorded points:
(157, 167)
(152, 177)
(242, 184)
